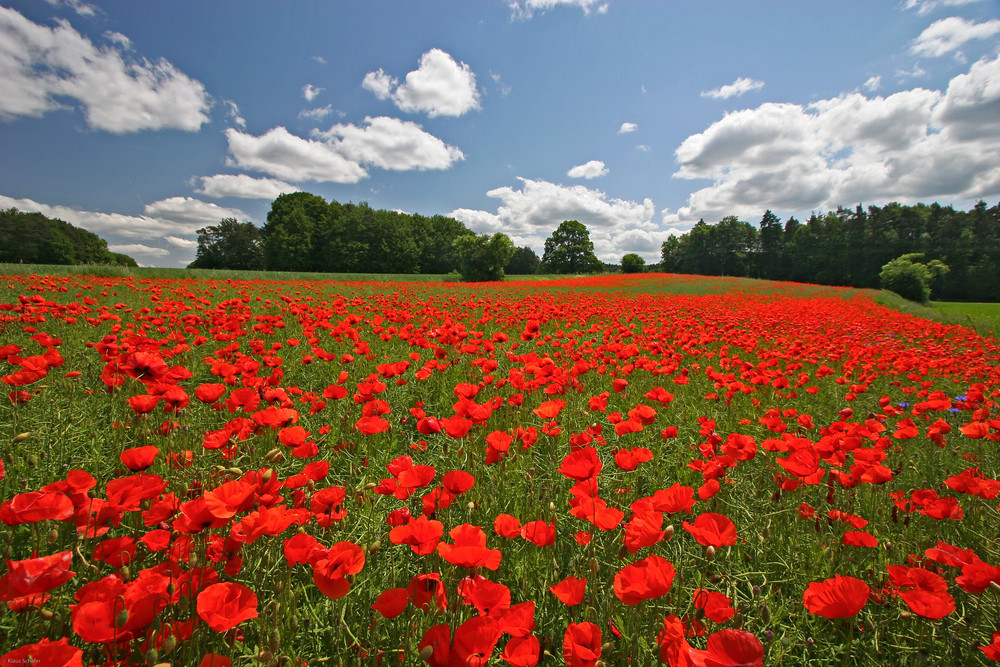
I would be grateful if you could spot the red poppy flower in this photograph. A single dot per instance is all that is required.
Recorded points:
(138, 459)
(539, 533)
(581, 464)
(425, 589)
(469, 549)
(391, 602)
(422, 534)
(570, 590)
(717, 606)
(643, 530)
(331, 569)
(839, 597)
(35, 575)
(36, 506)
(224, 606)
(507, 526)
(522, 651)
(582, 645)
(923, 591)
(711, 529)
(646, 579)
(730, 648)
(55, 653)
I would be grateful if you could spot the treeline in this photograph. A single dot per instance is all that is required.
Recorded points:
(850, 247)
(32, 238)
(304, 232)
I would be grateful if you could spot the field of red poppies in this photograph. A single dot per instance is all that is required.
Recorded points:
(618, 470)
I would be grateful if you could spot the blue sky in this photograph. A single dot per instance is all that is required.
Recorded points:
(145, 121)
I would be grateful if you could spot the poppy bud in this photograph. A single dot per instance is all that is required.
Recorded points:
(122, 618)
(709, 552)
(668, 532)
(765, 614)
(374, 546)
(152, 655)
(274, 640)
(267, 475)
(53, 536)
(235, 472)
(163, 664)
(21, 437)
(193, 559)
(46, 614)
(622, 552)
(552, 506)
(426, 653)
(470, 506)
(169, 645)
(265, 656)
(32, 461)
(461, 452)
(594, 565)
(737, 620)
(126, 573)
(184, 603)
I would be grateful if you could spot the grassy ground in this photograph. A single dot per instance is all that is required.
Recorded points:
(983, 317)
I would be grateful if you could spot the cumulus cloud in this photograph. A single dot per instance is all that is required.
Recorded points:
(440, 86)
(283, 155)
(950, 34)
(176, 216)
(627, 127)
(241, 185)
(40, 65)
(337, 155)
(531, 213)
(737, 88)
(310, 92)
(591, 169)
(525, 9)
(913, 145)
(391, 143)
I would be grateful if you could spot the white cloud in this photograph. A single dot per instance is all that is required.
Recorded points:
(81, 8)
(950, 34)
(627, 127)
(872, 84)
(915, 73)
(591, 169)
(175, 216)
(288, 157)
(737, 88)
(438, 87)
(39, 64)
(140, 249)
(319, 113)
(320, 59)
(525, 9)
(310, 92)
(530, 214)
(241, 185)
(927, 6)
(913, 145)
(184, 244)
(233, 114)
(391, 143)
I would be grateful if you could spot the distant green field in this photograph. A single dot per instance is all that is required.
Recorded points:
(983, 317)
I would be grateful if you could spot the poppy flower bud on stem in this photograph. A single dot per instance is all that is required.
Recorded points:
(426, 653)
(668, 532)
(152, 655)
(21, 437)
(709, 552)
(46, 614)
(594, 566)
(122, 618)
(169, 645)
